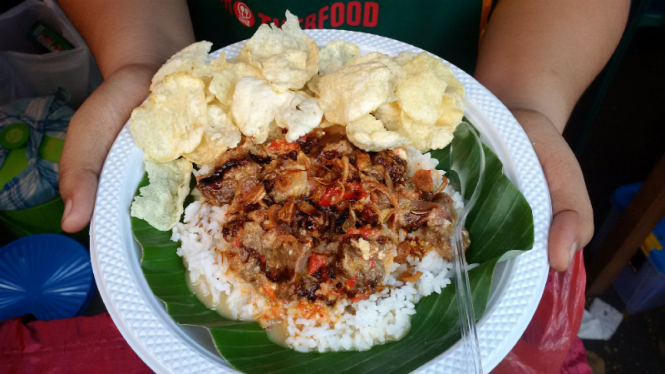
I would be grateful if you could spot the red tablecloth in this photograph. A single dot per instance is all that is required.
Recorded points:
(94, 345)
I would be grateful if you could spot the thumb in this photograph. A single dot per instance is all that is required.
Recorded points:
(91, 133)
(78, 188)
(565, 238)
(572, 223)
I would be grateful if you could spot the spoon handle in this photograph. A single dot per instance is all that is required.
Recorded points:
(467, 317)
(465, 308)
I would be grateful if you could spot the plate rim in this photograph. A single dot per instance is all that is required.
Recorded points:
(105, 267)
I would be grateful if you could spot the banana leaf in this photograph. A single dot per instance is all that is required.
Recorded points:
(501, 222)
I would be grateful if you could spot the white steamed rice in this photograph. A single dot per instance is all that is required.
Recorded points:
(383, 317)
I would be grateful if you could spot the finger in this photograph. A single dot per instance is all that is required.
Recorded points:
(91, 133)
(565, 238)
(572, 223)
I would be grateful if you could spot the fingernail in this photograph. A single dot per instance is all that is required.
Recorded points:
(68, 209)
(573, 250)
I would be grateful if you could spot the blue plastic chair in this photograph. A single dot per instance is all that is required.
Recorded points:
(46, 275)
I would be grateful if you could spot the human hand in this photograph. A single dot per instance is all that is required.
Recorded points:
(572, 222)
(92, 130)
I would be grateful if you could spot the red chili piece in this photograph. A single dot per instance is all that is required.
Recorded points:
(354, 191)
(351, 282)
(315, 262)
(327, 198)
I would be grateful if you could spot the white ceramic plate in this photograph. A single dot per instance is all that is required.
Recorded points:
(170, 348)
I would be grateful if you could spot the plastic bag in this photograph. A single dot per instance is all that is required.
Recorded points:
(545, 346)
(26, 73)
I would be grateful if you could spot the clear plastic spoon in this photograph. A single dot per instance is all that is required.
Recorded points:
(470, 180)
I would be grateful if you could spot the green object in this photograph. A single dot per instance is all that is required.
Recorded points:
(15, 229)
(43, 218)
(48, 38)
(50, 149)
(14, 164)
(434, 327)
(14, 136)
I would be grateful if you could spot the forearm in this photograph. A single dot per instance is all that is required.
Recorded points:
(540, 55)
(131, 34)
